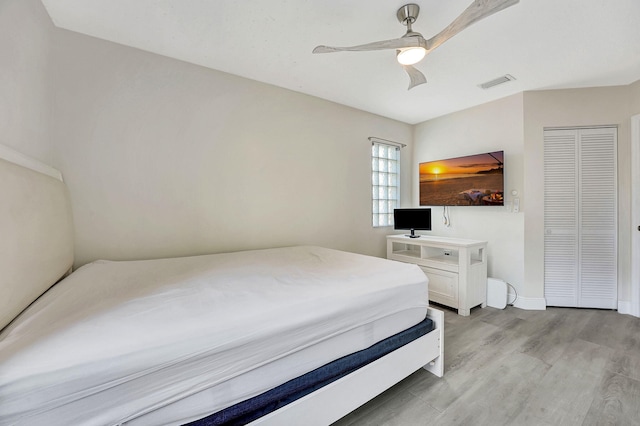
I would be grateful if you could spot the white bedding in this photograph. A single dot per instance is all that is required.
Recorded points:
(117, 340)
(270, 375)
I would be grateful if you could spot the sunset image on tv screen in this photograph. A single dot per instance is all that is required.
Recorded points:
(464, 181)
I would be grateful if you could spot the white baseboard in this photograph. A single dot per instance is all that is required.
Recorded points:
(540, 304)
(625, 307)
(528, 303)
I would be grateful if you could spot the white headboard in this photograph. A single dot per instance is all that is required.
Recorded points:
(36, 231)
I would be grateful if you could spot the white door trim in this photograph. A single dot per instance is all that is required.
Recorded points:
(635, 215)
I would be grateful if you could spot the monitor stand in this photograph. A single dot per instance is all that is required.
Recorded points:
(413, 235)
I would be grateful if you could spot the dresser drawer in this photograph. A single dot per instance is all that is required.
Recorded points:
(443, 286)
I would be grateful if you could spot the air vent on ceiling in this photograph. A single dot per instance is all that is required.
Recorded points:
(496, 81)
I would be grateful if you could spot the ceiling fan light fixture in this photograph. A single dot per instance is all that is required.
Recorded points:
(411, 48)
(411, 55)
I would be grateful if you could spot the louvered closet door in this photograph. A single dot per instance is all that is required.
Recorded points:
(580, 212)
(598, 219)
(561, 217)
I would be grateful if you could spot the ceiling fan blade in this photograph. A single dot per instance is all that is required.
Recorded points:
(415, 76)
(478, 10)
(397, 43)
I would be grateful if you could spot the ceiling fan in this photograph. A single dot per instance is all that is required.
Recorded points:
(411, 48)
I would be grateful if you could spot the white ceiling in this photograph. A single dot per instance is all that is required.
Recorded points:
(545, 44)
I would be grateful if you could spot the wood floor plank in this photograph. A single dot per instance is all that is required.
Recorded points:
(616, 402)
(499, 396)
(626, 363)
(552, 339)
(631, 336)
(608, 328)
(393, 408)
(561, 366)
(565, 394)
(468, 365)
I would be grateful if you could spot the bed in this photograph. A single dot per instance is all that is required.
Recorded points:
(275, 336)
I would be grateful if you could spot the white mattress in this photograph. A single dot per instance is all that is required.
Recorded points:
(118, 341)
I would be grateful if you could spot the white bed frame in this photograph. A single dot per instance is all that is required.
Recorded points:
(337, 399)
(330, 403)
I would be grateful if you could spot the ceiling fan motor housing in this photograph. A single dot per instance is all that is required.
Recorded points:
(408, 13)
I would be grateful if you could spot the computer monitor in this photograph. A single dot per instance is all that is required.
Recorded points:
(413, 219)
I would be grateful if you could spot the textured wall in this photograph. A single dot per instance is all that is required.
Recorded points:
(165, 158)
(25, 89)
(490, 127)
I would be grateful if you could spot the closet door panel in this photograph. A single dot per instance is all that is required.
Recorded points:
(560, 218)
(598, 272)
(598, 218)
(560, 269)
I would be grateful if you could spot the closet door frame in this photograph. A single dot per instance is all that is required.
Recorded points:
(635, 215)
(575, 227)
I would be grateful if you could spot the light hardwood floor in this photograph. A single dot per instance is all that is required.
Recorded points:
(561, 366)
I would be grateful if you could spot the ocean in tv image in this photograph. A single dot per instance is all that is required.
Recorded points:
(474, 180)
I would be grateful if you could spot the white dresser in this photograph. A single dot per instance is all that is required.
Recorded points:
(457, 268)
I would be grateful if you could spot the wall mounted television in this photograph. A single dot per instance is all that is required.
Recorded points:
(473, 180)
(412, 219)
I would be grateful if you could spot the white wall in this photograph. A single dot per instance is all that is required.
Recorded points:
(490, 127)
(635, 98)
(575, 107)
(517, 253)
(25, 90)
(164, 158)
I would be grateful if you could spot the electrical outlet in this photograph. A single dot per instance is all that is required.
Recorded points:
(516, 205)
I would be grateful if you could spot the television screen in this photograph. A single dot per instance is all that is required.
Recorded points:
(474, 180)
(413, 219)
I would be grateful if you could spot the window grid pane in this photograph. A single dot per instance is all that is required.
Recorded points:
(385, 171)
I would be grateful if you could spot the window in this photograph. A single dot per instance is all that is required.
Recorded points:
(385, 182)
